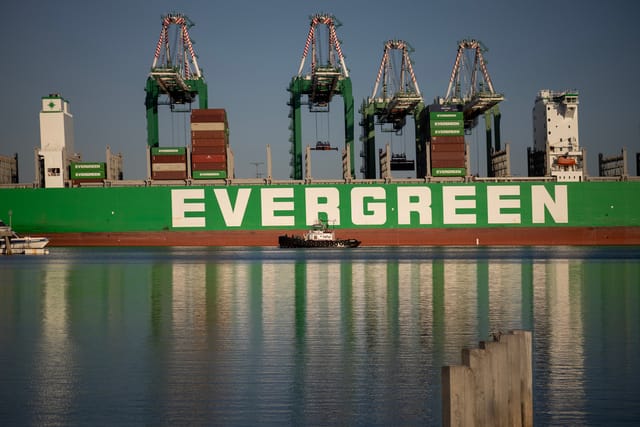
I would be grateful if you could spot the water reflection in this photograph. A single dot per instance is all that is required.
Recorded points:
(269, 337)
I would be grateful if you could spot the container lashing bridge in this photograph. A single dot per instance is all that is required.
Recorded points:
(395, 96)
(327, 77)
(175, 78)
(470, 86)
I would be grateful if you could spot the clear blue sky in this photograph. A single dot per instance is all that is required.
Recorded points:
(98, 54)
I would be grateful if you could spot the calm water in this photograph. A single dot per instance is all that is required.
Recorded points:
(184, 336)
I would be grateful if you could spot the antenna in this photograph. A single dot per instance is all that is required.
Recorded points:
(257, 165)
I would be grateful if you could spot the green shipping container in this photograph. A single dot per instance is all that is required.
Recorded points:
(448, 172)
(446, 115)
(446, 124)
(168, 151)
(88, 166)
(209, 174)
(88, 175)
(446, 132)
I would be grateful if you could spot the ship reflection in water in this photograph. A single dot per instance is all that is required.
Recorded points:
(248, 337)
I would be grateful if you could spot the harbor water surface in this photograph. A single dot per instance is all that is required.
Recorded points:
(236, 336)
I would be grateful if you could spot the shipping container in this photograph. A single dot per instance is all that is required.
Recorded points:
(447, 164)
(77, 166)
(208, 115)
(447, 140)
(448, 171)
(209, 174)
(446, 115)
(204, 149)
(447, 155)
(88, 171)
(445, 108)
(207, 158)
(448, 148)
(79, 181)
(168, 151)
(204, 166)
(446, 132)
(209, 134)
(449, 124)
(168, 167)
(208, 126)
(169, 175)
(209, 142)
(169, 159)
(95, 175)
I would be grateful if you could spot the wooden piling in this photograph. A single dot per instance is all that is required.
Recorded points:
(493, 386)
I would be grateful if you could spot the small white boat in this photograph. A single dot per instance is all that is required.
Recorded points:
(20, 244)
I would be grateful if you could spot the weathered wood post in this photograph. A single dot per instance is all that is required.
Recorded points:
(493, 386)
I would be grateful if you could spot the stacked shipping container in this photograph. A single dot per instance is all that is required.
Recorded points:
(81, 172)
(209, 143)
(168, 163)
(446, 136)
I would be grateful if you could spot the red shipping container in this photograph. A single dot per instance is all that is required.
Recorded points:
(208, 115)
(443, 155)
(207, 158)
(447, 164)
(209, 166)
(169, 175)
(449, 148)
(447, 139)
(169, 159)
(200, 149)
(209, 142)
(207, 134)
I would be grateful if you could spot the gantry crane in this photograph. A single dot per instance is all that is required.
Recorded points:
(476, 95)
(175, 78)
(396, 95)
(327, 77)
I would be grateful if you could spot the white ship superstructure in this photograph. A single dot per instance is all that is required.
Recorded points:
(56, 141)
(555, 133)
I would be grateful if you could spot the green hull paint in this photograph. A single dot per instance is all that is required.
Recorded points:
(293, 206)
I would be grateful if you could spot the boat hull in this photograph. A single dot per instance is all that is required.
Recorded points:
(19, 243)
(287, 241)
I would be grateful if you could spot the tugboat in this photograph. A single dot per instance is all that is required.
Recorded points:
(319, 236)
(12, 243)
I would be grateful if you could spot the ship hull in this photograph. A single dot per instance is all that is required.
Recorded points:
(377, 214)
(584, 236)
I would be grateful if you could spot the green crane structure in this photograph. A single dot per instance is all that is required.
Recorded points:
(327, 77)
(476, 95)
(396, 95)
(175, 78)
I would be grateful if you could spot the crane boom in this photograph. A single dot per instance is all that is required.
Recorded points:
(174, 75)
(480, 95)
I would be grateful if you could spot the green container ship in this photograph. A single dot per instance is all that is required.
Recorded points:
(378, 214)
(191, 196)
